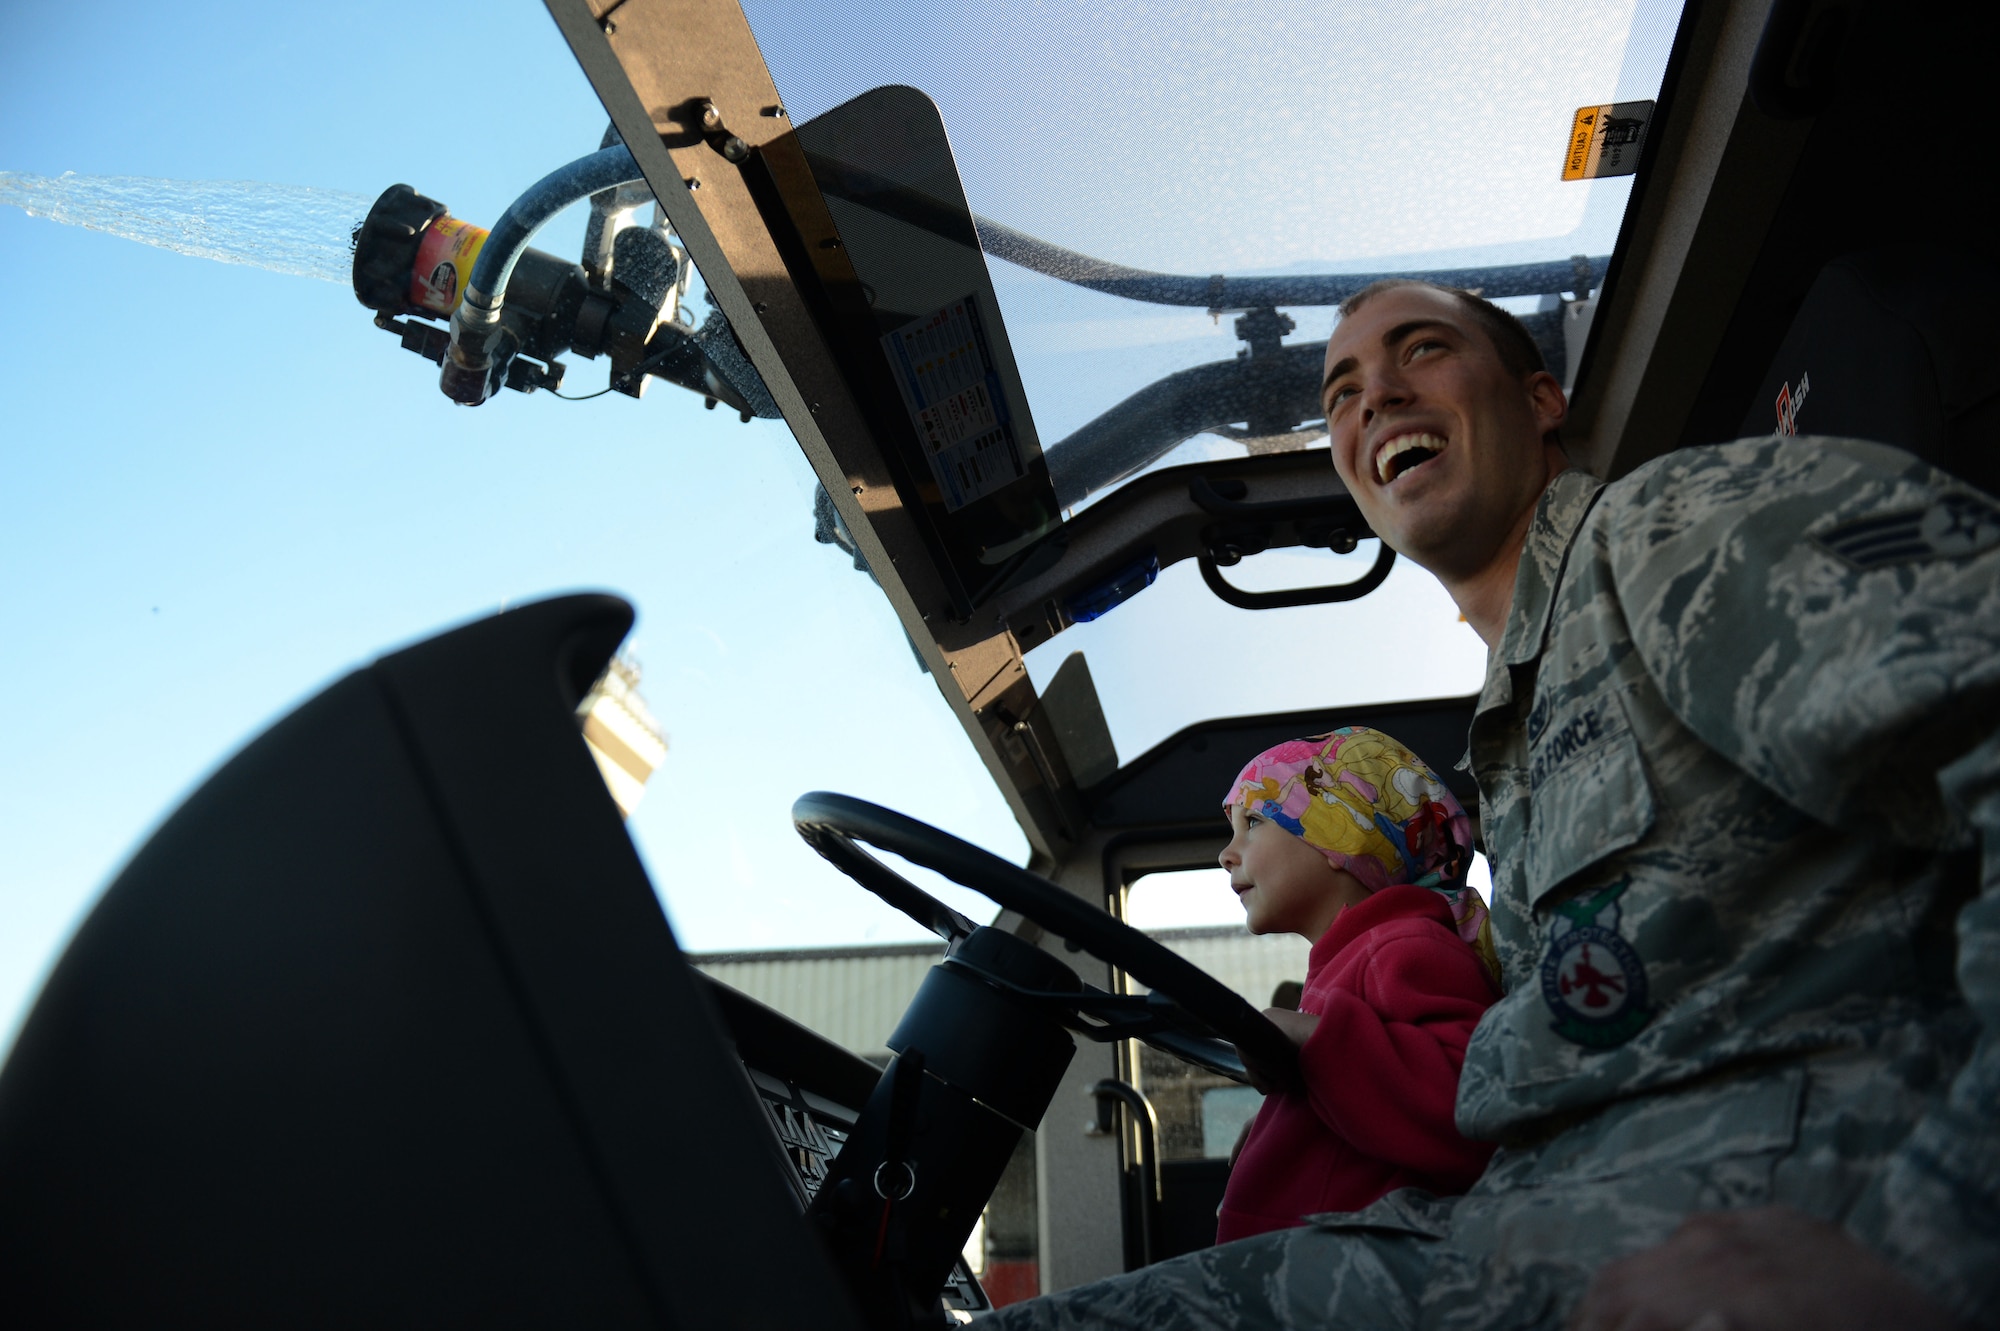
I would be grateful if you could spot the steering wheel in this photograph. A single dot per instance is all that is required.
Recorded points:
(1189, 1012)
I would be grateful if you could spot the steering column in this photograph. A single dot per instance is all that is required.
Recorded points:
(982, 1048)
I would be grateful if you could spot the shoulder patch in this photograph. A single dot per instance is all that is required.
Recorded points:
(1593, 980)
(1955, 526)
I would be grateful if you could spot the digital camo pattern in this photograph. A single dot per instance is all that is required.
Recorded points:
(1519, 1249)
(1288, 1278)
(1703, 704)
(1712, 736)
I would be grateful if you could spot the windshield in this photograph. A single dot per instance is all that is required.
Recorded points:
(1206, 144)
(1231, 140)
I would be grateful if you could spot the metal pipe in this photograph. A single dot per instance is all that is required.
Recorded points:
(1148, 1124)
(1186, 403)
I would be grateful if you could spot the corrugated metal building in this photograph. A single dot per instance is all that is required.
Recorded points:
(854, 995)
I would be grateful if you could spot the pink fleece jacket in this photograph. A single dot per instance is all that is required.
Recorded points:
(1397, 992)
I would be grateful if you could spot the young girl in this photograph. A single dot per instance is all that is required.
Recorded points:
(1351, 842)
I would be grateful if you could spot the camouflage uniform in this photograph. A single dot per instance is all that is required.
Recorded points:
(1734, 750)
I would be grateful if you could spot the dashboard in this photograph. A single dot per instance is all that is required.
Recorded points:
(812, 1091)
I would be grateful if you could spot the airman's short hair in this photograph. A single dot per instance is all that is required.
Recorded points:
(1509, 336)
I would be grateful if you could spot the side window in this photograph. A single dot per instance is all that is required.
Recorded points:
(1194, 913)
(1226, 1112)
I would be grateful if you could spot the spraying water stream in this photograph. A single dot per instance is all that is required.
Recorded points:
(285, 228)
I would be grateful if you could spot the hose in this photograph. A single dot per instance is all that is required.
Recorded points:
(475, 326)
(604, 169)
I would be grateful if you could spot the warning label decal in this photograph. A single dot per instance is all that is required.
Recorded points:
(1606, 140)
(945, 369)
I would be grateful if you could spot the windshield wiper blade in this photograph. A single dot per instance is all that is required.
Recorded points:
(857, 185)
(1578, 274)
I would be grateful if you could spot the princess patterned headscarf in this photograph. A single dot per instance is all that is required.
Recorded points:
(1374, 809)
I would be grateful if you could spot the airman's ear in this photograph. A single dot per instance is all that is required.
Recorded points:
(1545, 398)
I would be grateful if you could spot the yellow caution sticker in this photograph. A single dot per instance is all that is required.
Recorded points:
(1606, 140)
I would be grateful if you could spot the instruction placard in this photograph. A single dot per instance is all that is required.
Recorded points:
(944, 367)
(1606, 140)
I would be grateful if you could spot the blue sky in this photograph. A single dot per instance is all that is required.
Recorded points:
(221, 488)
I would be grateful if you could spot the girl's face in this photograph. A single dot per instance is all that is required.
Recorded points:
(1284, 884)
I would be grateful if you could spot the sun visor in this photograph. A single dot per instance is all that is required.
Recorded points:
(919, 332)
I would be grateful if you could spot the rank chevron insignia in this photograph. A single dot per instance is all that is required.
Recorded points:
(1592, 979)
(1958, 524)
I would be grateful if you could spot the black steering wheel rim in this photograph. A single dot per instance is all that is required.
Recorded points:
(832, 823)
